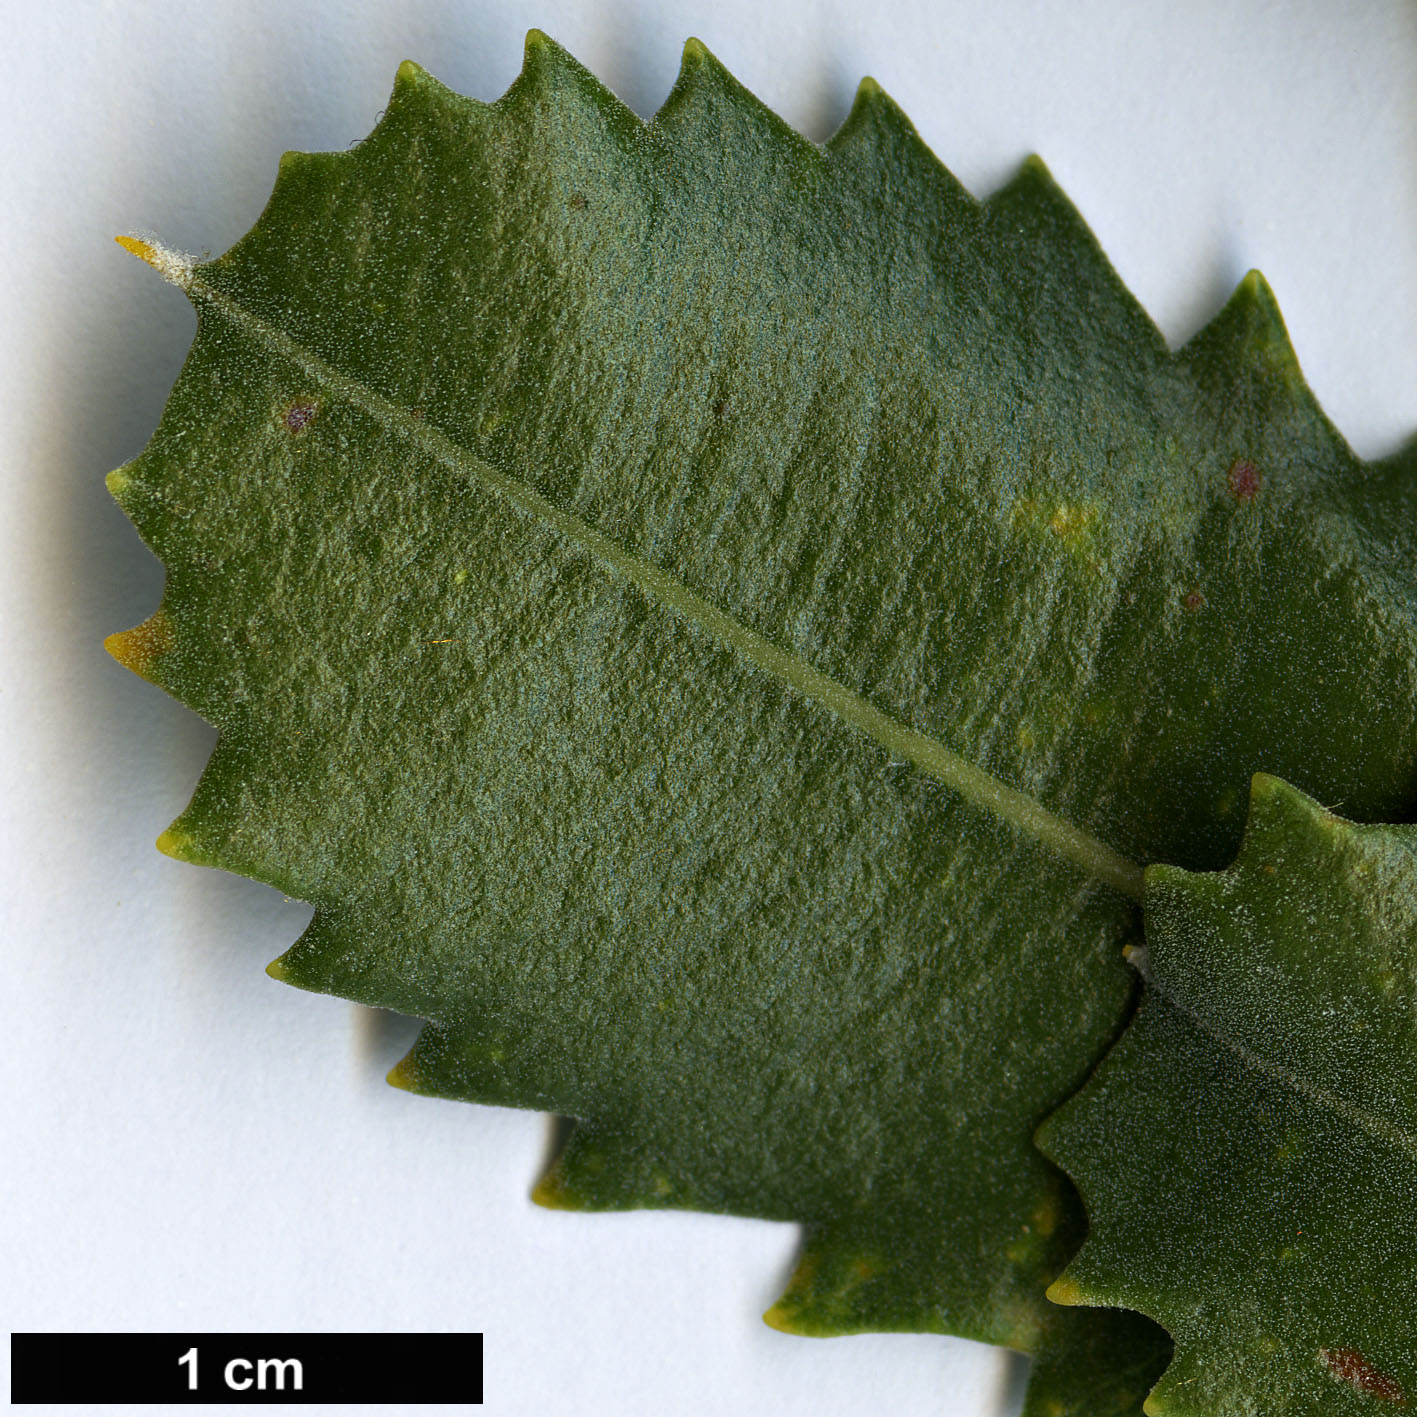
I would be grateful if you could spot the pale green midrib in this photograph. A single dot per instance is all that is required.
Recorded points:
(1021, 811)
(1360, 1117)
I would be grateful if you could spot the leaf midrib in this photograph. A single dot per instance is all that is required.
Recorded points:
(1359, 1116)
(1020, 810)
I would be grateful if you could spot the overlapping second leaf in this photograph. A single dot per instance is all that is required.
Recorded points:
(1248, 1151)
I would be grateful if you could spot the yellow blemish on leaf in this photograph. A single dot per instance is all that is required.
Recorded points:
(1018, 1324)
(865, 1267)
(1045, 1217)
(140, 648)
(459, 576)
(804, 1273)
(1026, 739)
(1073, 525)
(1070, 522)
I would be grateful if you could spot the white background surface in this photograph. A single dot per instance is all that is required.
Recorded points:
(188, 1144)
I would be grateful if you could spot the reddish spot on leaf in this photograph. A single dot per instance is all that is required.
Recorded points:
(299, 415)
(1348, 1365)
(1243, 479)
(1193, 600)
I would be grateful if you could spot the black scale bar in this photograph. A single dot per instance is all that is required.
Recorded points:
(108, 1368)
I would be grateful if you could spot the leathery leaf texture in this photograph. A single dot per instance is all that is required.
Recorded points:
(710, 620)
(1248, 1151)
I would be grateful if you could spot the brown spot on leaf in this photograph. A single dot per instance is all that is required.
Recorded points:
(578, 203)
(1349, 1366)
(1193, 600)
(300, 415)
(1243, 479)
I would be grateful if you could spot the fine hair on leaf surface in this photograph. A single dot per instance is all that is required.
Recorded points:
(718, 626)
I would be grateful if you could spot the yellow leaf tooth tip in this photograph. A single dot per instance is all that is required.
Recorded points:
(176, 843)
(868, 90)
(404, 1075)
(695, 53)
(117, 482)
(277, 971)
(141, 249)
(117, 645)
(171, 265)
(1256, 286)
(551, 1193)
(1066, 1291)
(140, 648)
(782, 1319)
(1035, 168)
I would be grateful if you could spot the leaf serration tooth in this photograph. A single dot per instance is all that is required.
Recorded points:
(119, 481)
(173, 266)
(871, 106)
(1248, 337)
(404, 1075)
(143, 647)
(705, 86)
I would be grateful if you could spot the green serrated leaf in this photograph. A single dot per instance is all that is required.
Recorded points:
(1248, 1151)
(710, 622)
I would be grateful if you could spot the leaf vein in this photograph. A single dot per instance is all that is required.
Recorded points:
(1365, 1120)
(931, 757)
